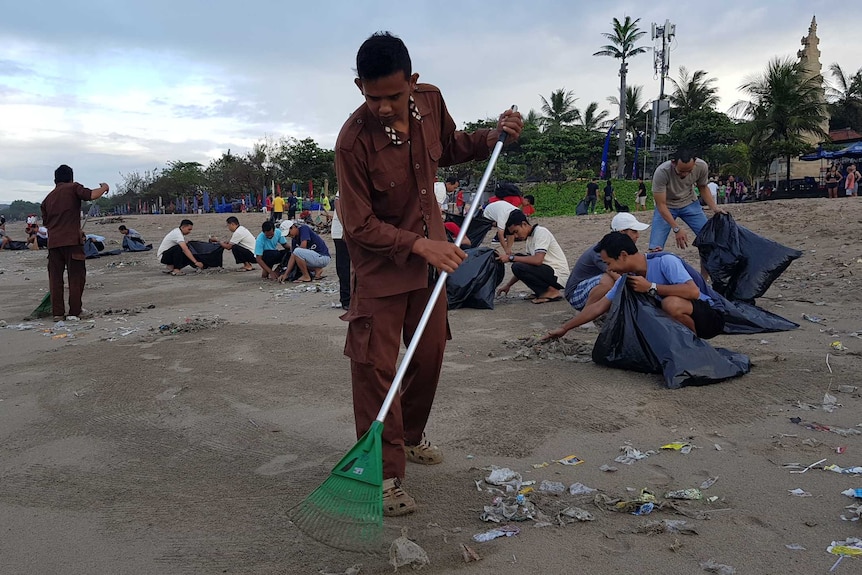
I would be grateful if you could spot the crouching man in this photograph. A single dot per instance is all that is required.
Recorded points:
(663, 278)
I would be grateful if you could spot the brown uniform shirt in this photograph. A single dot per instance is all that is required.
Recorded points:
(387, 191)
(61, 214)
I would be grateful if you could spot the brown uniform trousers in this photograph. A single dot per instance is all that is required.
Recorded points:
(69, 258)
(376, 325)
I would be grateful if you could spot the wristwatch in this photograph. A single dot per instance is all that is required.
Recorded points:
(675, 230)
(653, 289)
(511, 257)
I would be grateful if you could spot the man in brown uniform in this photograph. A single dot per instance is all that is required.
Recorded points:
(61, 214)
(386, 158)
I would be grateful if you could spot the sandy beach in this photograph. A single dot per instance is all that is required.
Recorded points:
(171, 433)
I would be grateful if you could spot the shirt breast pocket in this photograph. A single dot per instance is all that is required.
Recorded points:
(435, 151)
(390, 192)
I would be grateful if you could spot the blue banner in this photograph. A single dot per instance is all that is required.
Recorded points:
(639, 141)
(605, 152)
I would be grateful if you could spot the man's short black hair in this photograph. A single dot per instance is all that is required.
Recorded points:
(267, 226)
(233, 220)
(516, 217)
(531, 198)
(185, 223)
(63, 175)
(683, 155)
(381, 55)
(122, 228)
(616, 243)
(451, 180)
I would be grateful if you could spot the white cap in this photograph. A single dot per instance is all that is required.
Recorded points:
(626, 221)
(285, 226)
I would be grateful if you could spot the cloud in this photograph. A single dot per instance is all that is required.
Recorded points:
(129, 86)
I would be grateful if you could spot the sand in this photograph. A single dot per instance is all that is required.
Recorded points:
(126, 448)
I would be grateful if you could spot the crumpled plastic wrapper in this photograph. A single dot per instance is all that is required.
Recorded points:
(502, 531)
(573, 514)
(712, 566)
(675, 526)
(405, 552)
(580, 489)
(631, 455)
(551, 486)
(504, 477)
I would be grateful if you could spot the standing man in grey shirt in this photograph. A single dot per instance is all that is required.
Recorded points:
(673, 193)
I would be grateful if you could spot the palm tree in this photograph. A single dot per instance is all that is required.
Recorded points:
(693, 92)
(635, 109)
(533, 119)
(786, 105)
(845, 99)
(622, 47)
(560, 110)
(592, 119)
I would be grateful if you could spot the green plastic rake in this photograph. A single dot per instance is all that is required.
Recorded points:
(346, 511)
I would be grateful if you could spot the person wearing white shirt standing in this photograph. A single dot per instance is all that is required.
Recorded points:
(499, 213)
(544, 269)
(342, 257)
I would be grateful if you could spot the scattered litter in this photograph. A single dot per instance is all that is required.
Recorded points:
(840, 449)
(352, 570)
(850, 547)
(630, 455)
(572, 514)
(711, 566)
(540, 465)
(814, 426)
(681, 446)
(712, 499)
(803, 469)
(502, 531)
(551, 486)
(690, 494)
(580, 489)
(534, 348)
(855, 493)
(190, 325)
(642, 505)
(795, 547)
(855, 512)
(717, 446)
(848, 388)
(812, 318)
(838, 346)
(830, 403)
(844, 470)
(570, 460)
(469, 554)
(678, 526)
(405, 552)
(709, 482)
(607, 468)
(798, 492)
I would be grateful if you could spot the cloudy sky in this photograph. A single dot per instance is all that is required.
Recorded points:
(113, 87)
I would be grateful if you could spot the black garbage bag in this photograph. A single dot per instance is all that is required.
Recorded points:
(741, 264)
(639, 336)
(16, 245)
(135, 244)
(739, 317)
(581, 208)
(479, 227)
(92, 248)
(209, 253)
(474, 283)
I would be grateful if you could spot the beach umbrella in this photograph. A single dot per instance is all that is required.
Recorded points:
(852, 151)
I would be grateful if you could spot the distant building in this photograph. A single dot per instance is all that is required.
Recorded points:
(809, 57)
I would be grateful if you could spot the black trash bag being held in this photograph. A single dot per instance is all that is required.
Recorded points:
(739, 317)
(639, 336)
(209, 253)
(474, 283)
(581, 208)
(741, 264)
(479, 227)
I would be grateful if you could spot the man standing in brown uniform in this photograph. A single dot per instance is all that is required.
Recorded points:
(61, 214)
(386, 158)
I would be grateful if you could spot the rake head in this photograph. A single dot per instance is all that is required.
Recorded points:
(346, 511)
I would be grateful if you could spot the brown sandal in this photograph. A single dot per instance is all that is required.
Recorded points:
(396, 502)
(424, 453)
